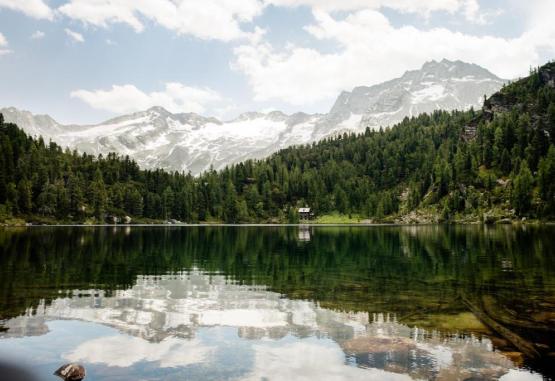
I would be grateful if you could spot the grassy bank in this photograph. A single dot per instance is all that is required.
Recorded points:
(336, 218)
(327, 219)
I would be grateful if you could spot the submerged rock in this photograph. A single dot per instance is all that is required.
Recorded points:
(71, 372)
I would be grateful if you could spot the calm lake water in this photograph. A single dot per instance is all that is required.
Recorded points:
(280, 303)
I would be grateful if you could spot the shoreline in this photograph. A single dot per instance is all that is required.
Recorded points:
(518, 223)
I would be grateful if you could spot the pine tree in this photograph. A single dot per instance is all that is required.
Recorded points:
(12, 197)
(76, 197)
(168, 200)
(292, 215)
(341, 201)
(153, 206)
(25, 196)
(242, 211)
(3, 179)
(551, 121)
(546, 181)
(47, 202)
(62, 199)
(133, 202)
(99, 196)
(538, 146)
(7, 151)
(231, 207)
(522, 130)
(522, 190)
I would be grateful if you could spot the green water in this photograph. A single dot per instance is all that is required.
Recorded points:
(280, 303)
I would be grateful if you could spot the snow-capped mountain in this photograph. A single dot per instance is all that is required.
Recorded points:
(156, 138)
(445, 85)
(34, 125)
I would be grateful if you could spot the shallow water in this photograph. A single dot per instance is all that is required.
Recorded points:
(278, 303)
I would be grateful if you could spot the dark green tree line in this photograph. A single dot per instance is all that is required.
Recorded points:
(425, 161)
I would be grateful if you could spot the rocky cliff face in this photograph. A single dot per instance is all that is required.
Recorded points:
(509, 97)
(446, 85)
(547, 75)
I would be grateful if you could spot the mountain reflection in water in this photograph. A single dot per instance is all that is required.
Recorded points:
(255, 303)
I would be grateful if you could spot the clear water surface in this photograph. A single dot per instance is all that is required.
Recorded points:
(280, 303)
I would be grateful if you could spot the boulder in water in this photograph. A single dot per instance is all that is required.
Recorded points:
(71, 372)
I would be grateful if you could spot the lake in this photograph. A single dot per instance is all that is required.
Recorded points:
(280, 303)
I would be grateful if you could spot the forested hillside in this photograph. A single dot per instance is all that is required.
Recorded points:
(495, 163)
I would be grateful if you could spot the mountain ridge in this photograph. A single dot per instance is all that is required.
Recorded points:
(424, 169)
(189, 142)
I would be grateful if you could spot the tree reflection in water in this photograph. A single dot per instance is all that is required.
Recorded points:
(392, 299)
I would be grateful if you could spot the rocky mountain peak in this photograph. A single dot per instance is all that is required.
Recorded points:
(158, 110)
(449, 70)
(157, 138)
(436, 85)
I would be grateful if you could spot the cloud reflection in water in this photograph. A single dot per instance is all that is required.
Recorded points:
(176, 321)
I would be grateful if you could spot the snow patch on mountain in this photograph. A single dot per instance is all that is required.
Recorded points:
(188, 142)
(431, 93)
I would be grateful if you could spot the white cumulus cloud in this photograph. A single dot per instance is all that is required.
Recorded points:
(75, 36)
(468, 8)
(125, 351)
(304, 360)
(38, 35)
(34, 8)
(372, 50)
(3, 45)
(205, 19)
(175, 97)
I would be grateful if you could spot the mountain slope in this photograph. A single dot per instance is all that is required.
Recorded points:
(426, 168)
(444, 85)
(35, 125)
(156, 138)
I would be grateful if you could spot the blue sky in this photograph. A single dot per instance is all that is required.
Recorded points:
(83, 61)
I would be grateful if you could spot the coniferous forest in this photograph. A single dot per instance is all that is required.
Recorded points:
(486, 165)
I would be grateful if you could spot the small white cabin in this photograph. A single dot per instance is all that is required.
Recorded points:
(305, 213)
